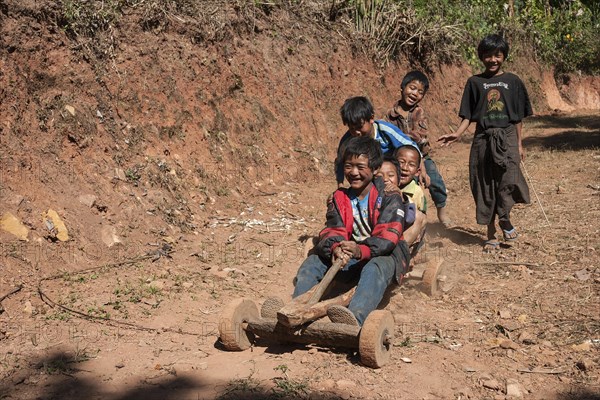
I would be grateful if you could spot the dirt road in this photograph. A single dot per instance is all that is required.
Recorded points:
(523, 321)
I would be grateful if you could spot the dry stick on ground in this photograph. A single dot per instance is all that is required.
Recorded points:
(46, 299)
(541, 371)
(507, 263)
(15, 290)
(535, 192)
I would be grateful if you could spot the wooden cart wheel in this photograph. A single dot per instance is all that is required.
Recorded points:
(375, 339)
(270, 307)
(232, 324)
(431, 274)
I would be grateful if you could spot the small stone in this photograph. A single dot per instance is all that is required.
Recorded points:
(406, 360)
(119, 365)
(120, 174)
(70, 109)
(87, 200)
(585, 346)
(513, 389)
(508, 344)
(546, 343)
(582, 275)
(313, 351)
(490, 384)
(59, 228)
(527, 338)
(160, 285)
(345, 384)
(511, 325)
(469, 369)
(584, 365)
(20, 376)
(14, 226)
(505, 314)
(109, 236)
(28, 309)
(327, 384)
(187, 285)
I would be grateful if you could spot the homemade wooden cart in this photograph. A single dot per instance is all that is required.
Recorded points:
(298, 321)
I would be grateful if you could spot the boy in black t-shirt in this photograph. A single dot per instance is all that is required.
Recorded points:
(497, 101)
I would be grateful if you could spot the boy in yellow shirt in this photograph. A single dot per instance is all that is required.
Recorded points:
(398, 173)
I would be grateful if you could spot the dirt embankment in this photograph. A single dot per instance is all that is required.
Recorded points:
(171, 141)
(202, 120)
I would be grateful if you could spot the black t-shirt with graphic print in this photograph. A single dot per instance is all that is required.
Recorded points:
(495, 102)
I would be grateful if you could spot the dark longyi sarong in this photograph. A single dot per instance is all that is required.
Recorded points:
(497, 182)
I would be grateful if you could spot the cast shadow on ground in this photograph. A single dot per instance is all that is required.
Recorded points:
(579, 394)
(591, 122)
(567, 140)
(67, 381)
(456, 234)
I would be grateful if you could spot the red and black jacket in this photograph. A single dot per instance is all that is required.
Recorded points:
(386, 218)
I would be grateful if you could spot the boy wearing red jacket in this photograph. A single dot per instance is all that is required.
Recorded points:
(364, 229)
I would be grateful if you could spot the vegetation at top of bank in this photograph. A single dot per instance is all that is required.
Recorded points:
(562, 33)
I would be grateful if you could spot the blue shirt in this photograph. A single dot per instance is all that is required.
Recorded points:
(389, 136)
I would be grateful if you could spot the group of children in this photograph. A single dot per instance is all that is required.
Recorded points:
(376, 224)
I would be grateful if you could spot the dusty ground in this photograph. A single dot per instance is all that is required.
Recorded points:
(188, 176)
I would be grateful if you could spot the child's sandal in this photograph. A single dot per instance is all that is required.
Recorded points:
(491, 245)
(510, 235)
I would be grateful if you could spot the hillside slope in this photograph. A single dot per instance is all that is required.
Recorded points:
(188, 159)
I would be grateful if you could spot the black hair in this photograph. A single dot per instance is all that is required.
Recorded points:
(356, 111)
(364, 146)
(492, 43)
(410, 146)
(388, 157)
(415, 76)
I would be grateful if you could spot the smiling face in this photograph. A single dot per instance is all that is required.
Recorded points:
(364, 128)
(492, 62)
(408, 157)
(388, 173)
(359, 174)
(412, 93)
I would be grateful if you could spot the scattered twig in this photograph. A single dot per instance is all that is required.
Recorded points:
(541, 371)
(44, 297)
(263, 193)
(507, 263)
(534, 192)
(13, 291)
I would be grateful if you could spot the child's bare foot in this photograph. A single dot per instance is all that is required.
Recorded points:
(442, 215)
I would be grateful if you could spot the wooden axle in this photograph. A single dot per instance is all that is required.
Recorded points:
(322, 333)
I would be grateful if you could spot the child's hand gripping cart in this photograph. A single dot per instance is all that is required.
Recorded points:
(298, 322)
